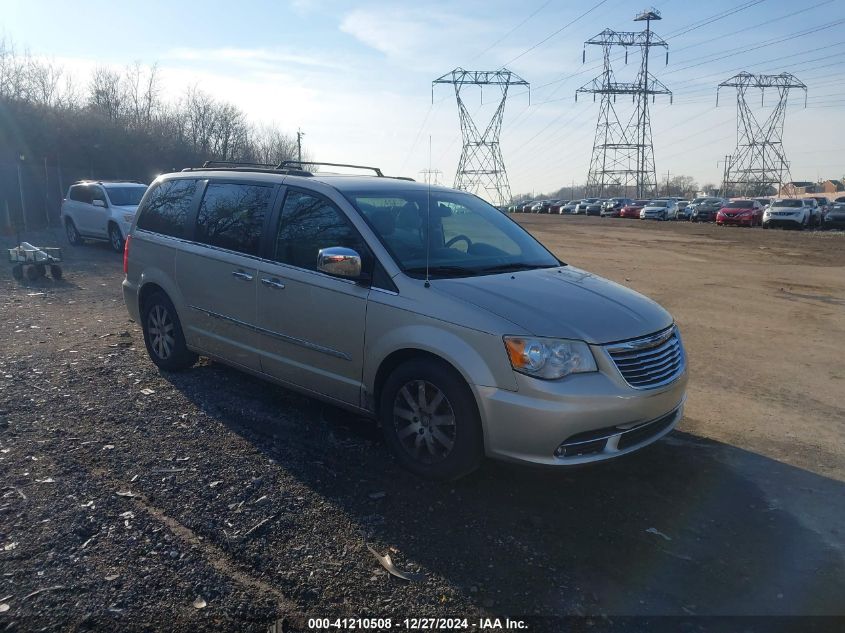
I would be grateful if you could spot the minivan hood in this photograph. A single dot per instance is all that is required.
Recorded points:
(563, 302)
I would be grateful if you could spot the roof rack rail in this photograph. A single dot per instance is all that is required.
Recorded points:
(231, 163)
(224, 165)
(101, 181)
(285, 163)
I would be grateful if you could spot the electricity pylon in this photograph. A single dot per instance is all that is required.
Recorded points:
(758, 164)
(481, 169)
(623, 154)
(431, 176)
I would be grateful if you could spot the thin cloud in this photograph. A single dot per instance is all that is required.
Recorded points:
(248, 56)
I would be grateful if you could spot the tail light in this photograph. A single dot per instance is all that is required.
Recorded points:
(126, 254)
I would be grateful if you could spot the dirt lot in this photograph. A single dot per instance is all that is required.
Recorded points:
(128, 498)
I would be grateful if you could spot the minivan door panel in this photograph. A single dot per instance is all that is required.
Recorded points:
(312, 330)
(219, 288)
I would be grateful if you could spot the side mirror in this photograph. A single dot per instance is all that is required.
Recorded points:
(99, 203)
(339, 261)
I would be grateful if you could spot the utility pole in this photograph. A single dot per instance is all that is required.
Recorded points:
(299, 135)
(725, 170)
(46, 193)
(623, 153)
(759, 163)
(667, 183)
(481, 168)
(21, 159)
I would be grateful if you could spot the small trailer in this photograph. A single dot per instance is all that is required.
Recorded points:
(33, 262)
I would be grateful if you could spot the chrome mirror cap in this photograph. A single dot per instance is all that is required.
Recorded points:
(339, 261)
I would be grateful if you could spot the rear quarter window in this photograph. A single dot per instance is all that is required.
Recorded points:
(80, 193)
(166, 208)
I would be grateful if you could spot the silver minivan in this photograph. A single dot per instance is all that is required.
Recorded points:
(421, 306)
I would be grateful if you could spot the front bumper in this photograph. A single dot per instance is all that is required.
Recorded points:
(531, 424)
(746, 220)
(783, 220)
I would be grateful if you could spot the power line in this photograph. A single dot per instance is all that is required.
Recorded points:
(564, 27)
(764, 44)
(506, 35)
(756, 25)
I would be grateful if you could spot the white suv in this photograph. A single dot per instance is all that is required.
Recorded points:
(101, 210)
(788, 212)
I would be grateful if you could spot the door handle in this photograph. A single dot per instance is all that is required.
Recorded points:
(273, 283)
(239, 274)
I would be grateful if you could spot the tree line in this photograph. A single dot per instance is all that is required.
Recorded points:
(120, 123)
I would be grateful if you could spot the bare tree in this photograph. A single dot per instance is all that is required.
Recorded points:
(270, 145)
(43, 79)
(106, 94)
(141, 89)
(682, 186)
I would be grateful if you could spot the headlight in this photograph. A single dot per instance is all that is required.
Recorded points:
(128, 217)
(549, 358)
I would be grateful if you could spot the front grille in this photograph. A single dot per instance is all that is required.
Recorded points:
(651, 361)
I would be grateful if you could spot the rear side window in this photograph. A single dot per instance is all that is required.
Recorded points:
(80, 193)
(166, 208)
(307, 224)
(232, 216)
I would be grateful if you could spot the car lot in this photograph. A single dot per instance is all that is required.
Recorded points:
(128, 493)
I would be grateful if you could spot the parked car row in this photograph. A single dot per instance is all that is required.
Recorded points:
(809, 212)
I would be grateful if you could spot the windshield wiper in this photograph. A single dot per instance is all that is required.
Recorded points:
(513, 267)
(442, 271)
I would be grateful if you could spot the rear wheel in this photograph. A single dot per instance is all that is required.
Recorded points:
(115, 238)
(430, 420)
(163, 335)
(73, 236)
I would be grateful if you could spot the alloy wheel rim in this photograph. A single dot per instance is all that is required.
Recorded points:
(424, 421)
(115, 239)
(160, 327)
(71, 232)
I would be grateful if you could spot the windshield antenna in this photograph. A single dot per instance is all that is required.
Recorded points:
(428, 218)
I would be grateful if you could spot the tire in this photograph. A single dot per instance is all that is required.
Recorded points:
(439, 452)
(17, 272)
(168, 352)
(116, 238)
(31, 273)
(73, 236)
(55, 271)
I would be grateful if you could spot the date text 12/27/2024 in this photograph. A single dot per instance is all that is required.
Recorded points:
(415, 624)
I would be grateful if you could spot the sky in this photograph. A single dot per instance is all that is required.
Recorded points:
(356, 77)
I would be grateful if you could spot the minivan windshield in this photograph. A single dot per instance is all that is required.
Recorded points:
(126, 196)
(459, 235)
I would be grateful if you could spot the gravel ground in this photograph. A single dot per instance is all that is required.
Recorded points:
(208, 500)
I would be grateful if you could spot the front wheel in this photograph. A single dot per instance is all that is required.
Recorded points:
(163, 335)
(430, 420)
